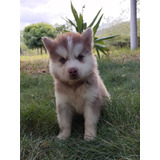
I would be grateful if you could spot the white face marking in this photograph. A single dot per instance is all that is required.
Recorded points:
(77, 49)
(62, 51)
(84, 69)
(71, 53)
(69, 40)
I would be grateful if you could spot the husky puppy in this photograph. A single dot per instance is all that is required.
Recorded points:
(78, 86)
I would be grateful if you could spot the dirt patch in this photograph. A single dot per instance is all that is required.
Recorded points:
(35, 67)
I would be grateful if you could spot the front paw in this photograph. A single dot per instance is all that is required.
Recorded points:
(63, 135)
(89, 137)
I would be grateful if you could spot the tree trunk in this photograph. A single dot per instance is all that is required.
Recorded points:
(45, 50)
(133, 25)
(37, 50)
(41, 50)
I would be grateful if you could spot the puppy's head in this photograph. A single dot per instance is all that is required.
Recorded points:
(71, 57)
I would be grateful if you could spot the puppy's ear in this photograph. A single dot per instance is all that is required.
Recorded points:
(87, 37)
(48, 43)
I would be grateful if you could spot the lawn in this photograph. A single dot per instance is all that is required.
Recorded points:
(118, 129)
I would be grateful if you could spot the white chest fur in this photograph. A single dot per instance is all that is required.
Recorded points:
(77, 98)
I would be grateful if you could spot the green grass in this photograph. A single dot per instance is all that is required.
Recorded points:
(118, 128)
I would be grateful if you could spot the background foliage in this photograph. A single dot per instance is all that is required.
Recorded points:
(80, 26)
(123, 31)
(32, 34)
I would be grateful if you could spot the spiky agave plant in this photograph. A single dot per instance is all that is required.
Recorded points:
(80, 26)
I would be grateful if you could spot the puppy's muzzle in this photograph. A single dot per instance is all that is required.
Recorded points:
(73, 73)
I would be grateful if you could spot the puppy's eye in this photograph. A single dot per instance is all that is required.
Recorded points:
(80, 57)
(62, 60)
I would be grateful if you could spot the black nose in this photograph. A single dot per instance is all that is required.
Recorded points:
(73, 71)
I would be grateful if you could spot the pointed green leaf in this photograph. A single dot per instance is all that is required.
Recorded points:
(81, 23)
(71, 22)
(84, 26)
(104, 38)
(100, 46)
(77, 29)
(95, 40)
(94, 19)
(102, 50)
(75, 14)
(97, 52)
(97, 25)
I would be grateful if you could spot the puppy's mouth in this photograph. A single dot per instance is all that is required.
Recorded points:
(73, 74)
(73, 77)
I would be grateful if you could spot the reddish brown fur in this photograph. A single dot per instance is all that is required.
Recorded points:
(84, 95)
(61, 40)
